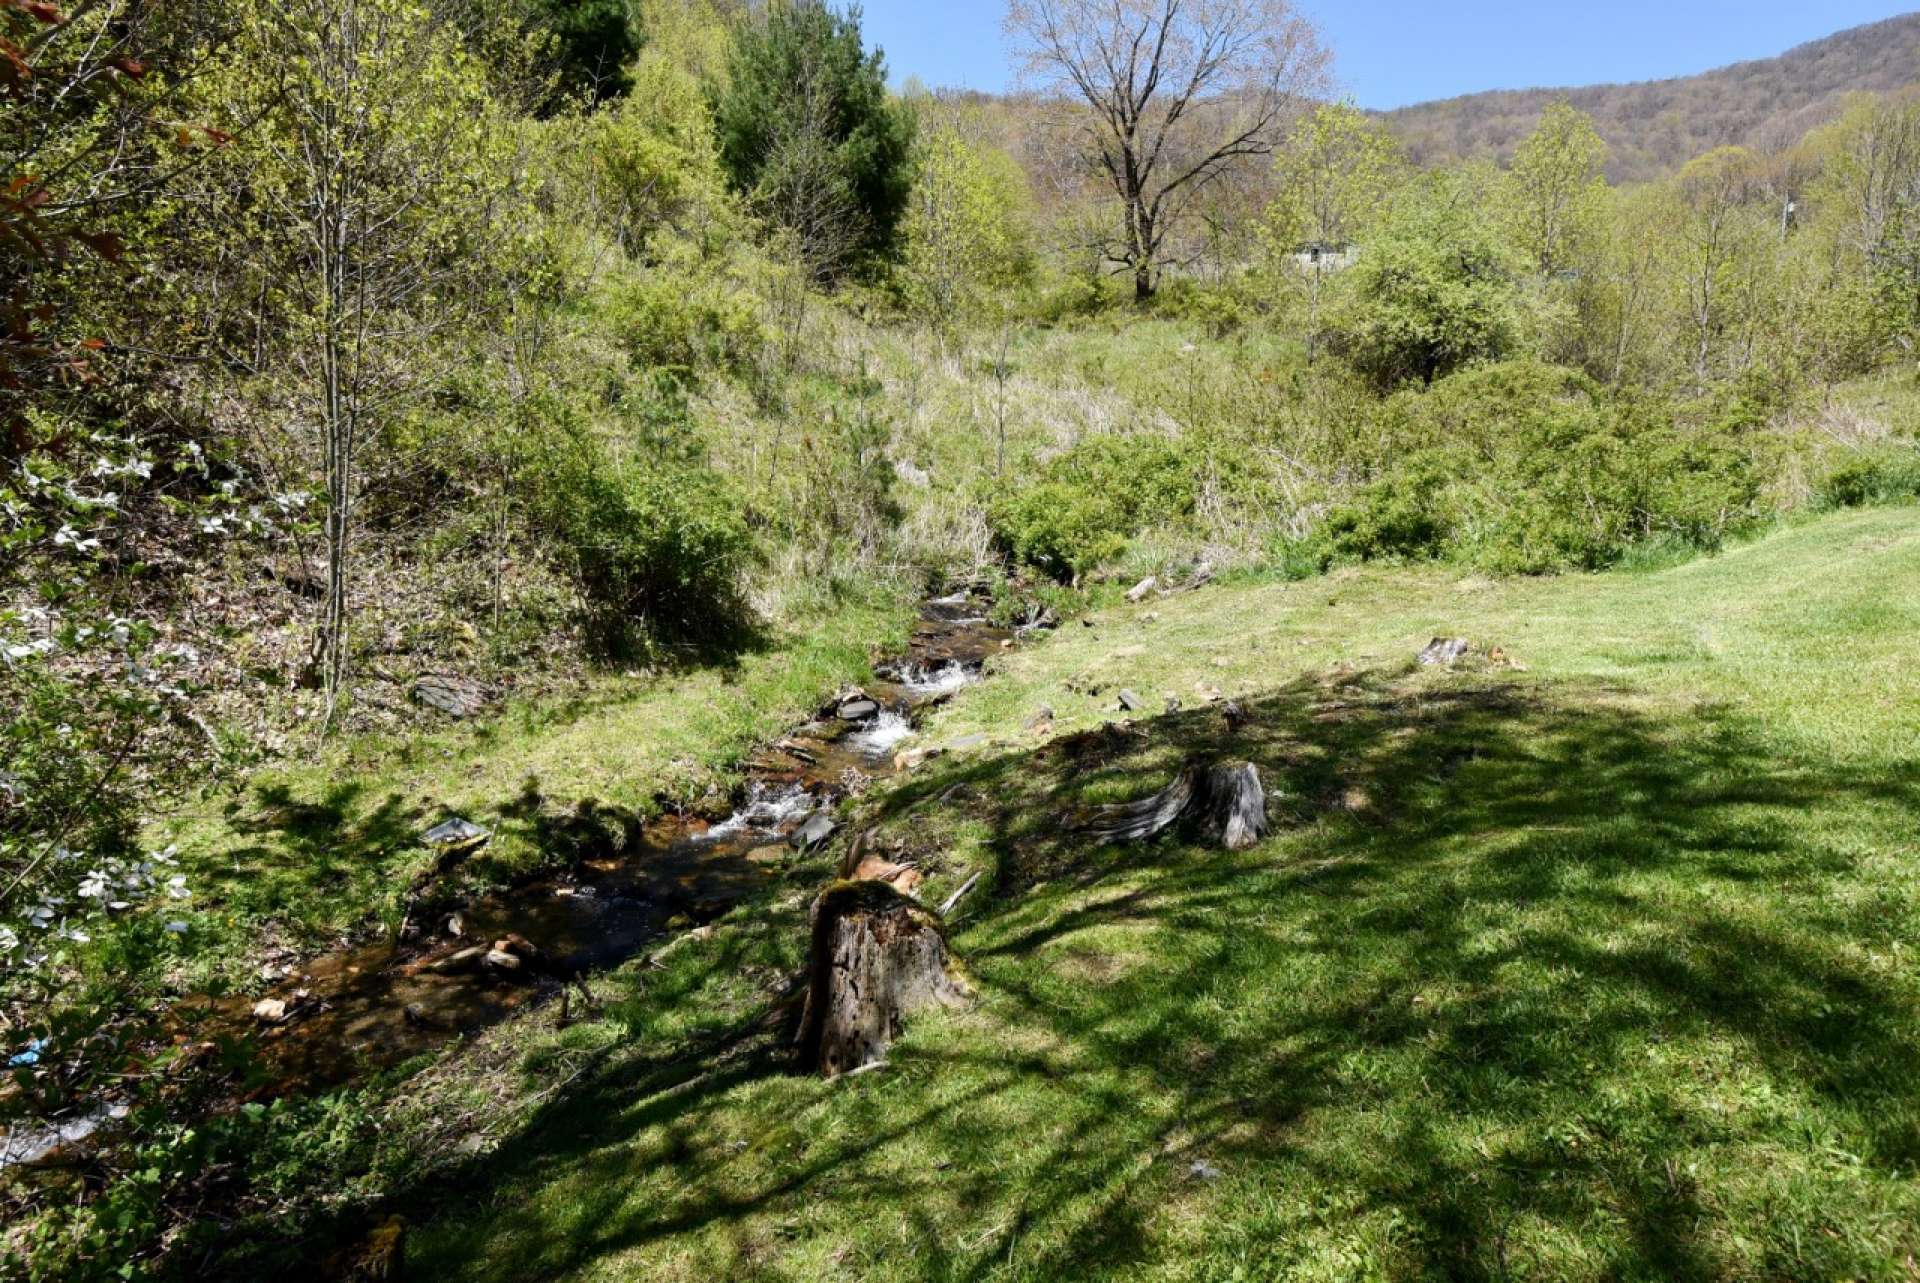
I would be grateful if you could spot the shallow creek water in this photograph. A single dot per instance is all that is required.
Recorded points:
(372, 1006)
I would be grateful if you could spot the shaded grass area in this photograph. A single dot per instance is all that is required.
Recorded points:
(1599, 969)
(316, 851)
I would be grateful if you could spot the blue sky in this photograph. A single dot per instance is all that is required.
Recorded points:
(1392, 52)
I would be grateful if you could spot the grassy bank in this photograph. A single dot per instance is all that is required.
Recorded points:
(307, 853)
(1598, 965)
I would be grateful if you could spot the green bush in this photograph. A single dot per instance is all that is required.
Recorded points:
(1883, 474)
(1089, 501)
(1529, 468)
(655, 542)
(683, 321)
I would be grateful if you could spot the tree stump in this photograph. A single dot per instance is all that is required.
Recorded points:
(1228, 794)
(1236, 804)
(877, 957)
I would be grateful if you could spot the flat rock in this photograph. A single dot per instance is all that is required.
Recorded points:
(857, 710)
(1130, 702)
(501, 960)
(1445, 650)
(1140, 590)
(813, 830)
(270, 1011)
(455, 832)
(454, 696)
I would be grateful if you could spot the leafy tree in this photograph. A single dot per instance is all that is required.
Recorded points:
(366, 188)
(1716, 229)
(1552, 195)
(1871, 188)
(1433, 289)
(966, 232)
(808, 134)
(1334, 175)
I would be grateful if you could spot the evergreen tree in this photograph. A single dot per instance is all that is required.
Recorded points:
(808, 134)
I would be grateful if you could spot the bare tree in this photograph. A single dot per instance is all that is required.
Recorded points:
(1181, 93)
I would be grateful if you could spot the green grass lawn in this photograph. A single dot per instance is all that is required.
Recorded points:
(1597, 966)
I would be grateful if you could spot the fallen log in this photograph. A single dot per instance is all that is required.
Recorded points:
(877, 957)
(1137, 821)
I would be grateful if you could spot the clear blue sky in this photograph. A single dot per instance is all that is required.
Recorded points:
(1391, 52)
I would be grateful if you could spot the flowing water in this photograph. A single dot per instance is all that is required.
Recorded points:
(374, 1005)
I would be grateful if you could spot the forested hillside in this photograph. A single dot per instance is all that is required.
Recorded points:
(1653, 127)
(627, 654)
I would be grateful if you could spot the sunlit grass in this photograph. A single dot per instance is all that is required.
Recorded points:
(1596, 967)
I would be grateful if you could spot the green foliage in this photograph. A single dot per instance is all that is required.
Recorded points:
(653, 162)
(681, 319)
(1085, 504)
(966, 235)
(1552, 195)
(807, 132)
(655, 541)
(1883, 474)
(1525, 468)
(594, 44)
(1432, 291)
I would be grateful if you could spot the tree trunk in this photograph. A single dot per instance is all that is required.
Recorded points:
(877, 957)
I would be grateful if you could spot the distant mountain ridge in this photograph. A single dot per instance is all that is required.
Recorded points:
(1655, 126)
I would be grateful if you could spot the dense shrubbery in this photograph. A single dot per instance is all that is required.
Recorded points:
(1086, 503)
(1888, 473)
(1530, 468)
(655, 541)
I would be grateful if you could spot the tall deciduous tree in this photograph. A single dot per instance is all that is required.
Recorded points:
(1717, 225)
(370, 181)
(966, 226)
(1553, 194)
(1178, 93)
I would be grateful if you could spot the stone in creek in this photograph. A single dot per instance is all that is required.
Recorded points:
(460, 960)
(814, 830)
(270, 1011)
(857, 710)
(501, 960)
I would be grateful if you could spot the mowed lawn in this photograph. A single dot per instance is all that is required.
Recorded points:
(1603, 963)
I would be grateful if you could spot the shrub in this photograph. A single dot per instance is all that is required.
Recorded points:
(1433, 290)
(1529, 468)
(684, 321)
(1884, 474)
(1089, 501)
(655, 542)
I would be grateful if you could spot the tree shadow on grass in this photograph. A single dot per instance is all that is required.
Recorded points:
(1533, 980)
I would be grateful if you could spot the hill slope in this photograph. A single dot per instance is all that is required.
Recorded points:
(1657, 125)
(1592, 968)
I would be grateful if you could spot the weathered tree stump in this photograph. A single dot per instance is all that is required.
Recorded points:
(1227, 794)
(1236, 804)
(1137, 821)
(877, 957)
